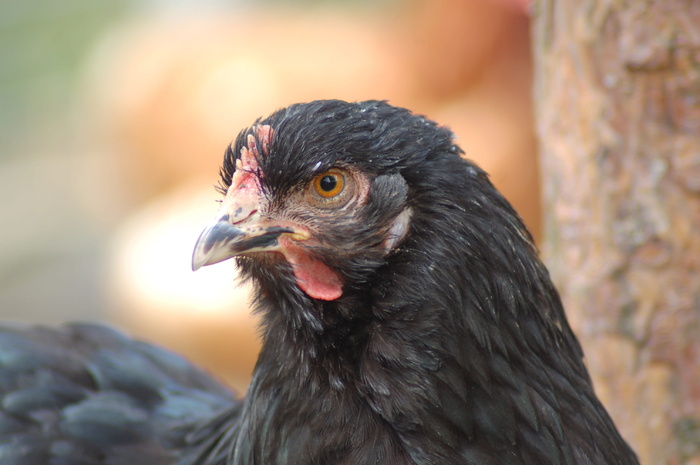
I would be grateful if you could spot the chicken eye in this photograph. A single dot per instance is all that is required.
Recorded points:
(329, 184)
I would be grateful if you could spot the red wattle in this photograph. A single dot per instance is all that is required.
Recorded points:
(312, 276)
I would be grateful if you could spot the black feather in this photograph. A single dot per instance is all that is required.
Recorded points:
(228, 167)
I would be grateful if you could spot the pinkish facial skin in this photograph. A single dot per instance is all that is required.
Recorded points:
(312, 276)
(247, 166)
(245, 182)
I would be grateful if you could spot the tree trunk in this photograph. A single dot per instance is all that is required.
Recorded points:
(618, 95)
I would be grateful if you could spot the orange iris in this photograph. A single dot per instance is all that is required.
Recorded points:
(329, 184)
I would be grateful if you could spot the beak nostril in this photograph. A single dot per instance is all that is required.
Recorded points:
(238, 212)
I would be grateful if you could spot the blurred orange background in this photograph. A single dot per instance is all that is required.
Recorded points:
(115, 117)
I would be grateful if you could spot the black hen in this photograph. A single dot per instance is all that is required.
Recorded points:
(407, 320)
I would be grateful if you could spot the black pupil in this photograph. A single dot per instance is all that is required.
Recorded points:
(328, 183)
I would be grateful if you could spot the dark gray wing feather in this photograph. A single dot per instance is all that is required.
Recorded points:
(86, 394)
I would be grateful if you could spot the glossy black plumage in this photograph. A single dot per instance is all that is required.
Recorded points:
(449, 345)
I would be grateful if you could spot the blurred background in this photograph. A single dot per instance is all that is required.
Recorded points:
(114, 117)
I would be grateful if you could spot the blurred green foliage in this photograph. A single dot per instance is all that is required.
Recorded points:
(43, 44)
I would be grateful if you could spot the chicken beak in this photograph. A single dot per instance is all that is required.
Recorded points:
(222, 240)
(239, 228)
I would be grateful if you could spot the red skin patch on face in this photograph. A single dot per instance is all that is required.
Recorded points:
(247, 166)
(246, 179)
(242, 197)
(312, 276)
(264, 133)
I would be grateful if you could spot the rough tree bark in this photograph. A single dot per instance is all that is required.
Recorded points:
(618, 95)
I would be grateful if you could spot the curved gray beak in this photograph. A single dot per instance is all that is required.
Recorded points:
(222, 240)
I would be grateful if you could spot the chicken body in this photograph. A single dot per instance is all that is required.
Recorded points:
(407, 320)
